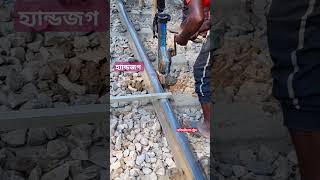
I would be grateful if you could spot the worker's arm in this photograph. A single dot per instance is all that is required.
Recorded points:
(193, 22)
(205, 26)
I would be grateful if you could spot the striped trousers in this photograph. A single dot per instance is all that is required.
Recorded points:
(294, 44)
(202, 72)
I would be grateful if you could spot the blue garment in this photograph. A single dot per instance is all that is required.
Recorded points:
(202, 72)
(294, 44)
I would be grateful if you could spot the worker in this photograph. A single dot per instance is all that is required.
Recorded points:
(197, 21)
(294, 45)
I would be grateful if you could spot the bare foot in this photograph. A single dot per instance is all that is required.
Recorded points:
(203, 129)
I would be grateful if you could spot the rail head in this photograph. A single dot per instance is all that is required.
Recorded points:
(53, 117)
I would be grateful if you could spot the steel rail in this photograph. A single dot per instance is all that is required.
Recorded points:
(178, 142)
(53, 117)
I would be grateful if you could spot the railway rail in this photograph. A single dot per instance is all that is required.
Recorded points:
(53, 117)
(178, 142)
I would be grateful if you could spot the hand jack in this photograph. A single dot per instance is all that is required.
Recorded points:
(160, 31)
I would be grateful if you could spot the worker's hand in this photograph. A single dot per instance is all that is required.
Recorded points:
(180, 40)
(194, 37)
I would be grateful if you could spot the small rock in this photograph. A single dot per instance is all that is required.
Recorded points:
(129, 162)
(63, 131)
(20, 164)
(260, 167)
(137, 26)
(29, 57)
(5, 43)
(16, 99)
(44, 53)
(266, 154)
(126, 153)
(152, 56)
(20, 38)
(282, 172)
(53, 38)
(239, 171)
(144, 141)
(292, 156)
(18, 53)
(115, 165)
(134, 172)
(93, 55)
(138, 147)
(229, 158)
(57, 149)
(35, 174)
(71, 87)
(3, 98)
(37, 137)
(50, 133)
(42, 101)
(4, 15)
(84, 100)
(14, 80)
(4, 108)
(246, 156)
(112, 160)
(170, 162)
(104, 99)
(156, 127)
(140, 159)
(29, 73)
(119, 155)
(14, 175)
(118, 143)
(2, 60)
(79, 154)
(161, 171)
(225, 170)
(164, 141)
(35, 46)
(81, 42)
(88, 173)
(14, 138)
(59, 66)
(61, 172)
(75, 70)
(122, 29)
(45, 73)
(90, 76)
(146, 170)
(97, 155)
(166, 150)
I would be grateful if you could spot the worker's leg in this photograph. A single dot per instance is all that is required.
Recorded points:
(202, 75)
(307, 146)
(304, 127)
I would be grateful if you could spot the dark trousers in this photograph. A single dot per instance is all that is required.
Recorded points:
(294, 44)
(202, 72)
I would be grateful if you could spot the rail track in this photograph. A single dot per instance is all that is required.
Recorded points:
(177, 141)
(52, 117)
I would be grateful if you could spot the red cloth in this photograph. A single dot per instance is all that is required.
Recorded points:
(206, 3)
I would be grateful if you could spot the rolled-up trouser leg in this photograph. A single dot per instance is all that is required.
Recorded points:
(202, 73)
